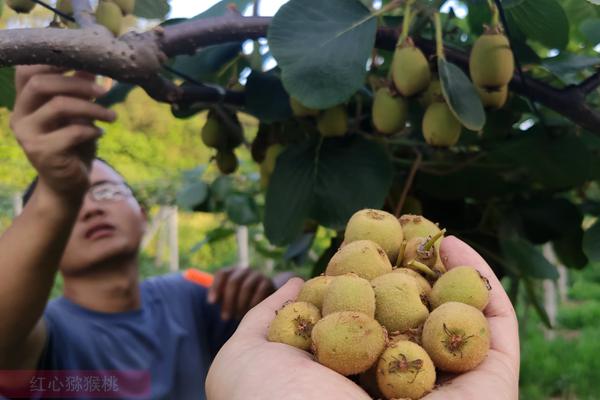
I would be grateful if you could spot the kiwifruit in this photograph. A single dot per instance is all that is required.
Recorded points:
(493, 98)
(432, 94)
(376, 225)
(456, 336)
(126, 6)
(300, 110)
(491, 62)
(293, 324)
(227, 161)
(21, 6)
(410, 69)
(348, 342)
(405, 371)
(109, 14)
(365, 258)
(418, 226)
(212, 133)
(313, 290)
(333, 121)
(389, 112)
(398, 303)
(462, 284)
(424, 286)
(349, 292)
(440, 126)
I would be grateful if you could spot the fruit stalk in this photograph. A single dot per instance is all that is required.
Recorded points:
(405, 23)
(439, 43)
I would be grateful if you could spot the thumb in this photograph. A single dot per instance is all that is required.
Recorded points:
(256, 322)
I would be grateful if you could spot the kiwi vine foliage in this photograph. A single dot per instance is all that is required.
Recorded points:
(528, 177)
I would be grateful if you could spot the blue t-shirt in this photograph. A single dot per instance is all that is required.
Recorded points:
(174, 336)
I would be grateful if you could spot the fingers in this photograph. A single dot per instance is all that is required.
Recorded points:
(245, 290)
(257, 320)
(265, 288)
(62, 110)
(40, 88)
(216, 291)
(24, 73)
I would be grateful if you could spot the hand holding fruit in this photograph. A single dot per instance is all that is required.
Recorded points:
(266, 370)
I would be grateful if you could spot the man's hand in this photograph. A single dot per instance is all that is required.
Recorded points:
(238, 290)
(53, 122)
(249, 360)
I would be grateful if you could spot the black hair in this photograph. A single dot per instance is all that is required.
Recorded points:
(29, 191)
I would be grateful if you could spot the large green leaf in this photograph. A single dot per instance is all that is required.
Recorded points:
(192, 195)
(542, 20)
(7, 87)
(242, 209)
(151, 9)
(526, 258)
(327, 181)
(461, 96)
(322, 48)
(591, 242)
(266, 98)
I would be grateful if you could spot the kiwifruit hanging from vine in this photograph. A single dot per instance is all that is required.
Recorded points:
(493, 98)
(227, 161)
(126, 6)
(491, 62)
(21, 6)
(440, 126)
(410, 69)
(300, 110)
(389, 112)
(109, 14)
(333, 121)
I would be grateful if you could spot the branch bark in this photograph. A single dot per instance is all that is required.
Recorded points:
(138, 58)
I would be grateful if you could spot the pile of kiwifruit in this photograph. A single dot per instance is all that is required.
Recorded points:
(387, 313)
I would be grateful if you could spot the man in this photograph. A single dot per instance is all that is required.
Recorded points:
(81, 219)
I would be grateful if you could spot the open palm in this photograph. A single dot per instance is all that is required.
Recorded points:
(250, 367)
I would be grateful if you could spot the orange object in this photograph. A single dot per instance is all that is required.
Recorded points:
(200, 277)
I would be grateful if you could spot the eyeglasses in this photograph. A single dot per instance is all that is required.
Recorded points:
(109, 191)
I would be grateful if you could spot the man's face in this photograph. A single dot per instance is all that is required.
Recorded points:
(110, 224)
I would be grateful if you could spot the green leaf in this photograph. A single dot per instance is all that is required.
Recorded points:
(591, 242)
(206, 62)
(590, 28)
(192, 195)
(7, 87)
(461, 96)
(221, 187)
(327, 180)
(527, 258)
(479, 14)
(544, 21)
(266, 98)
(298, 250)
(566, 66)
(322, 48)
(242, 209)
(151, 9)
(117, 94)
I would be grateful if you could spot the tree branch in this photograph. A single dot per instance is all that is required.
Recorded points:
(590, 84)
(138, 57)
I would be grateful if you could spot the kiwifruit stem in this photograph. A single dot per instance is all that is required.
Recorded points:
(429, 244)
(495, 14)
(420, 267)
(439, 43)
(405, 22)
